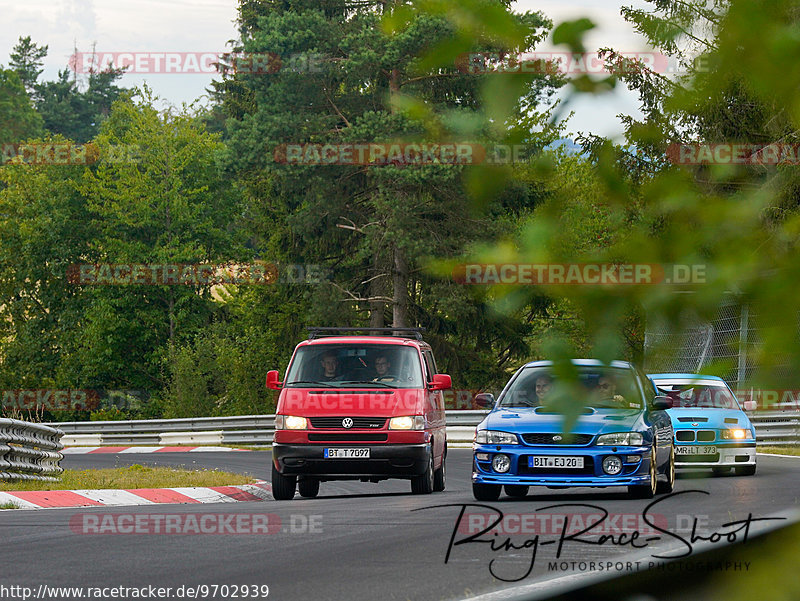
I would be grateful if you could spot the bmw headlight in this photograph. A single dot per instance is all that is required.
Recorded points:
(495, 437)
(622, 439)
(290, 422)
(734, 434)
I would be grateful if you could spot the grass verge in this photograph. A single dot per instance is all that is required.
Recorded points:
(134, 476)
(9, 506)
(779, 450)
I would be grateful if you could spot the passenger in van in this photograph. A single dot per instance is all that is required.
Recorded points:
(382, 366)
(330, 367)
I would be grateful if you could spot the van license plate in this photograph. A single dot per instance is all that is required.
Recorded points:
(567, 462)
(346, 453)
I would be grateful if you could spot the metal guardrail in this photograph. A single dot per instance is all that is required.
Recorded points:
(29, 451)
(776, 427)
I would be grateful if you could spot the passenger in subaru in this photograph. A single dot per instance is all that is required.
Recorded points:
(330, 367)
(543, 385)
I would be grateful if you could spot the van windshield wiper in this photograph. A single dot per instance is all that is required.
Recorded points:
(368, 382)
(311, 382)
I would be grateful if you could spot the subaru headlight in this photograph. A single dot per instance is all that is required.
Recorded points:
(290, 422)
(622, 439)
(407, 422)
(495, 437)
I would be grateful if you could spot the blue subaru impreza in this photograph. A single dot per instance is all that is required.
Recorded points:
(711, 430)
(622, 437)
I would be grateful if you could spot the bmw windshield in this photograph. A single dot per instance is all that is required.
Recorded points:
(708, 394)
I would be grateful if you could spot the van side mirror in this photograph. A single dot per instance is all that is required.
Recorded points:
(485, 400)
(441, 382)
(661, 403)
(273, 381)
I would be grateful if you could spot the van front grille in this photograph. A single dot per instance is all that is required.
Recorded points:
(350, 437)
(336, 423)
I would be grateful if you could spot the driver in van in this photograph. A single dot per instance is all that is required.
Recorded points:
(330, 367)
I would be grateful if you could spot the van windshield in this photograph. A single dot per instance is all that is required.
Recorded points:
(351, 365)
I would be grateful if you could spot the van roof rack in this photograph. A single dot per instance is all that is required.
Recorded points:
(320, 332)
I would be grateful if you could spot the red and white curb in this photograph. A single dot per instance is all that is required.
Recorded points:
(41, 499)
(144, 449)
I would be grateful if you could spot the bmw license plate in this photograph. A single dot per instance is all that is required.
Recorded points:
(346, 453)
(695, 450)
(564, 462)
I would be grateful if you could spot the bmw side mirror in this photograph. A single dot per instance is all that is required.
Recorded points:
(485, 400)
(661, 403)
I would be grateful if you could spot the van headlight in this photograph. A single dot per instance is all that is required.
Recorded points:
(407, 422)
(290, 422)
(495, 437)
(622, 439)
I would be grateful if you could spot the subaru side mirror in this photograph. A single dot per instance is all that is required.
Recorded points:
(661, 403)
(485, 400)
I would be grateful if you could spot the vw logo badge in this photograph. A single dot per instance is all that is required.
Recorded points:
(347, 422)
(556, 438)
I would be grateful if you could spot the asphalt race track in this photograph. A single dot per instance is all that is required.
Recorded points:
(365, 541)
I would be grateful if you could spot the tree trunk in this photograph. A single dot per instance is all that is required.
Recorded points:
(377, 287)
(400, 290)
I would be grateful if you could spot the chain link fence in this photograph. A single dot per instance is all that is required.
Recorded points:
(730, 339)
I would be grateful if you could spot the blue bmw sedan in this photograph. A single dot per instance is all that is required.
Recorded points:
(622, 437)
(711, 430)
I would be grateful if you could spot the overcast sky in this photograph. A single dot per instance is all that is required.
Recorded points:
(205, 26)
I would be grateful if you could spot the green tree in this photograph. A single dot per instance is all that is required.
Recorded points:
(374, 223)
(158, 198)
(18, 119)
(346, 79)
(73, 113)
(44, 227)
(26, 60)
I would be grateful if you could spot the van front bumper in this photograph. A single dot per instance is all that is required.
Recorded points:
(385, 460)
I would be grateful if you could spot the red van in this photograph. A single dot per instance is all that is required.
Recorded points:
(363, 408)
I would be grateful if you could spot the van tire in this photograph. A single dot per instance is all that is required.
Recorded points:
(440, 475)
(423, 485)
(282, 486)
(308, 487)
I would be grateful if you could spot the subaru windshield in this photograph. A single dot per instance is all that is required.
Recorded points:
(355, 365)
(596, 388)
